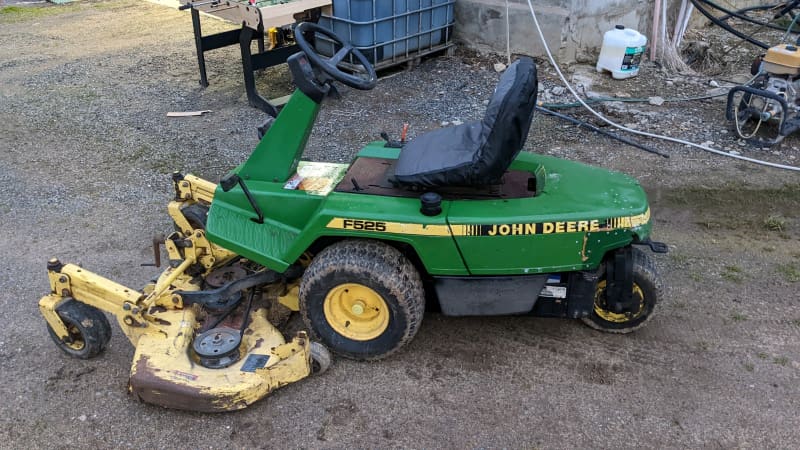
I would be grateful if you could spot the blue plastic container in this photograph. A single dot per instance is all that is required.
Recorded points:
(390, 32)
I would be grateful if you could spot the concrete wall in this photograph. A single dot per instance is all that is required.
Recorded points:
(573, 28)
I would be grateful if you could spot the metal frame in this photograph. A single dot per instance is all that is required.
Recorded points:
(255, 18)
(409, 25)
(786, 126)
(250, 62)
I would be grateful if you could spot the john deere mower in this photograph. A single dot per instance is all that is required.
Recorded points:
(456, 220)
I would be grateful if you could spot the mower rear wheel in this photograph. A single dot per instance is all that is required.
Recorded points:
(88, 328)
(363, 299)
(647, 288)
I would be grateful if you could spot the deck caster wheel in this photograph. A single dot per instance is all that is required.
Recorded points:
(363, 299)
(320, 359)
(647, 288)
(88, 328)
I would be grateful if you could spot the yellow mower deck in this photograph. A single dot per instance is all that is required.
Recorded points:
(164, 374)
(162, 325)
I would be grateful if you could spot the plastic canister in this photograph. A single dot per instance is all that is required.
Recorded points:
(621, 52)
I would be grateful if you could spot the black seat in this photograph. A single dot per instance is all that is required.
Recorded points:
(475, 153)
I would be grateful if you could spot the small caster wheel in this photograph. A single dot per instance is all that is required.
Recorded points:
(88, 329)
(320, 358)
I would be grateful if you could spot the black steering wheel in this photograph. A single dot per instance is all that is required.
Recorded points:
(331, 65)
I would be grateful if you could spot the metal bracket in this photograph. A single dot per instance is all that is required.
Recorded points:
(619, 279)
(217, 298)
(655, 247)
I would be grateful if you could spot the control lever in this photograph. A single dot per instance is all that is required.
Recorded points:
(395, 144)
(157, 241)
(229, 181)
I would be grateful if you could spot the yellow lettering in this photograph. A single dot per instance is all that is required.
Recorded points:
(504, 230)
(594, 225)
(571, 227)
(583, 225)
(516, 228)
(530, 228)
(547, 227)
(559, 227)
(493, 231)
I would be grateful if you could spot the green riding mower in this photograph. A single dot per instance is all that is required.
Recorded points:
(456, 220)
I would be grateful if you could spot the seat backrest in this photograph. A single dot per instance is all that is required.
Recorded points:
(507, 122)
(475, 153)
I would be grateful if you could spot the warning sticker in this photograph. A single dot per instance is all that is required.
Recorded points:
(632, 59)
(553, 292)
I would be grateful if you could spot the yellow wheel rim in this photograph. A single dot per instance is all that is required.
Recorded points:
(77, 343)
(356, 312)
(609, 316)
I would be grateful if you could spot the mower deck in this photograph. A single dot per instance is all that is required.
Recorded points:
(164, 374)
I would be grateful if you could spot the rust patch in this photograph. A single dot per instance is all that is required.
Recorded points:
(584, 258)
(147, 385)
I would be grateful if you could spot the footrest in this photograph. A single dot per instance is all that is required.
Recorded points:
(655, 247)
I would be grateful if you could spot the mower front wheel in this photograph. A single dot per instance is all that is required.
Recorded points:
(647, 287)
(363, 299)
(89, 330)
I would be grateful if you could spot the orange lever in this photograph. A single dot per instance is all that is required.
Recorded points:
(404, 133)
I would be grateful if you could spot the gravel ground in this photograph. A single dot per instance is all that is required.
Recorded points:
(85, 157)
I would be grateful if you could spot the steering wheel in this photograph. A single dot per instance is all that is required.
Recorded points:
(331, 65)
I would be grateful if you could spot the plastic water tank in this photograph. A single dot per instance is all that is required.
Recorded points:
(621, 52)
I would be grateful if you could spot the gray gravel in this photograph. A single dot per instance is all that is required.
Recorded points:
(85, 157)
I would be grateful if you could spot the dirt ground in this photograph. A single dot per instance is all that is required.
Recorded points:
(85, 157)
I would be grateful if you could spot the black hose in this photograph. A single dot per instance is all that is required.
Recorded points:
(739, 14)
(591, 127)
(752, 8)
(788, 8)
(725, 26)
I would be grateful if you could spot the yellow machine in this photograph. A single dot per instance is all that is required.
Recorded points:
(204, 331)
(767, 108)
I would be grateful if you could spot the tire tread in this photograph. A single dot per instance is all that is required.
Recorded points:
(385, 264)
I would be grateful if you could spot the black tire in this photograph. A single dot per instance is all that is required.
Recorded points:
(647, 286)
(197, 216)
(396, 298)
(320, 359)
(88, 327)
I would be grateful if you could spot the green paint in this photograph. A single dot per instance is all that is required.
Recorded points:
(570, 195)
(275, 158)
(572, 192)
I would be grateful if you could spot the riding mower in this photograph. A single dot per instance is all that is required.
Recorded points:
(457, 217)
